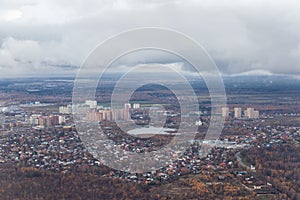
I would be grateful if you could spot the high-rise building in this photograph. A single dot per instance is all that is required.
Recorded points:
(127, 107)
(251, 113)
(118, 114)
(107, 115)
(225, 111)
(237, 112)
(256, 114)
(93, 115)
(136, 105)
(91, 103)
(42, 120)
(65, 109)
(34, 119)
(52, 120)
(61, 119)
(99, 116)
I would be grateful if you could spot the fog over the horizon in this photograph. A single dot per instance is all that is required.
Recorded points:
(243, 37)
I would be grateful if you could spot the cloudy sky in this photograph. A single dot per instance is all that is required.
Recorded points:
(55, 36)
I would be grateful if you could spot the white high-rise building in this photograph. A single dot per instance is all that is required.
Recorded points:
(251, 113)
(61, 119)
(127, 107)
(256, 114)
(237, 112)
(225, 111)
(91, 103)
(65, 109)
(136, 105)
(34, 119)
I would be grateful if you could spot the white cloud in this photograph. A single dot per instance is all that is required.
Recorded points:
(10, 15)
(29, 58)
(240, 36)
(23, 50)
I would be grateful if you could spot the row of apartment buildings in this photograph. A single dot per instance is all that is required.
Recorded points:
(250, 113)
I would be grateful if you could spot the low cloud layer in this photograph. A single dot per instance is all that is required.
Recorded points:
(54, 37)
